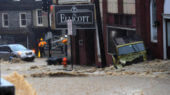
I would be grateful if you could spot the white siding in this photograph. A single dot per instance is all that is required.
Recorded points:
(129, 7)
(112, 6)
(167, 7)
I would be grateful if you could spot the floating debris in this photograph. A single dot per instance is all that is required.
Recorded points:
(22, 87)
(58, 74)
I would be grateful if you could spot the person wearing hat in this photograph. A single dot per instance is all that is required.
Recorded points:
(41, 46)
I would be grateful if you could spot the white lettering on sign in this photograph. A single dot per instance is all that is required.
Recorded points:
(74, 18)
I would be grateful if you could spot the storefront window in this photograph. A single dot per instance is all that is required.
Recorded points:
(111, 35)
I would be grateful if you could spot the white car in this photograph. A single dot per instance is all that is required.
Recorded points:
(10, 51)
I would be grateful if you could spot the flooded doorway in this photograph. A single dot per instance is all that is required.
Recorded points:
(168, 38)
(86, 45)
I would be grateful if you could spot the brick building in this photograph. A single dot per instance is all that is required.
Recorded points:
(119, 17)
(154, 26)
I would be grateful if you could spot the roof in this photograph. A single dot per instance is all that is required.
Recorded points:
(7, 5)
(2, 45)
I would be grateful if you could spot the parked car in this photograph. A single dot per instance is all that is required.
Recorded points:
(7, 52)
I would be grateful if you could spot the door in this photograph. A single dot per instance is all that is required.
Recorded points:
(86, 47)
(168, 38)
(5, 52)
(82, 47)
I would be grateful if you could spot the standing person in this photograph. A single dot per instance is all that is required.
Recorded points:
(41, 46)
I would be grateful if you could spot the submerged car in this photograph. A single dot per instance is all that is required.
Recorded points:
(7, 52)
(127, 51)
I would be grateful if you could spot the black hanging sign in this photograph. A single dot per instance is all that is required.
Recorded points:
(82, 16)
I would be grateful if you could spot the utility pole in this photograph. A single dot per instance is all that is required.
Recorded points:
(46, 7)
(100, 33)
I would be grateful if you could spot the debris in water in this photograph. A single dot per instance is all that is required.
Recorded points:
(34, 67)
(22, 87)
(16, 60)
(58, 74)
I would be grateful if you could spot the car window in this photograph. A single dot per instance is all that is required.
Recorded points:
(1, 49)
(17, 47)
(5, 48)
(131, 48)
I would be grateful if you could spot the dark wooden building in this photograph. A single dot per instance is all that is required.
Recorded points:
(117, 16)
(154, 26)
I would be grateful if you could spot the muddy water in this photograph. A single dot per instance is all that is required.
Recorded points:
(101, 85)
(147, 78)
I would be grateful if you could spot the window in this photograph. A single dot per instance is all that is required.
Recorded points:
(112, 35)
(39, 17)
(121, 19)
(153, 21)
(112, 6)
(5, 49)
(23, 21)
(5, 20)
(129, 6)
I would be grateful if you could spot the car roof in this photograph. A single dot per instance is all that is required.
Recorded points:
(8, 45)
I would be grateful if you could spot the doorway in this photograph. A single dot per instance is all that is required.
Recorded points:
(86, 44)
(168, 38)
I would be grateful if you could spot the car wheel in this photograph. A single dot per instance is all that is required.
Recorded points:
(32, 59)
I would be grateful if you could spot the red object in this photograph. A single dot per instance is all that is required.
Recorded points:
(51, 8)
(64, 59)
(64, 63)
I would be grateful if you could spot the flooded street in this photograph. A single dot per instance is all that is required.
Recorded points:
(147, 78)
(101, 85)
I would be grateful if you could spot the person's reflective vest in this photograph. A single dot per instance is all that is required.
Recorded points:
(42, 43)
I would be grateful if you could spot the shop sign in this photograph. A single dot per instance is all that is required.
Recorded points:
(82, 16)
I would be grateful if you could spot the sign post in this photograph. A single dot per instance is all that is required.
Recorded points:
(69, 49)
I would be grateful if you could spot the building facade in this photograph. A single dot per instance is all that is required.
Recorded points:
(153, 25)
(119, 17)
(22, 22)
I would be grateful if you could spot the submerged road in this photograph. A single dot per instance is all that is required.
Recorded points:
(117, 83)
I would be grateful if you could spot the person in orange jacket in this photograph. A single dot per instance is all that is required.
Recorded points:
(41, 46)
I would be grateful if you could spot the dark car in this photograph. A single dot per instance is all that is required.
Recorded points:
(10, 51)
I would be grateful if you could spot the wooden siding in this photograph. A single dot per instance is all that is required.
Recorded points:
(143, 26)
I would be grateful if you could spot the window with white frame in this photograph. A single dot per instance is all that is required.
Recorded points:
(153, 21)
(112, 6)
(129, 7)
(39, 17)
(23, 20)
(5, 20)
